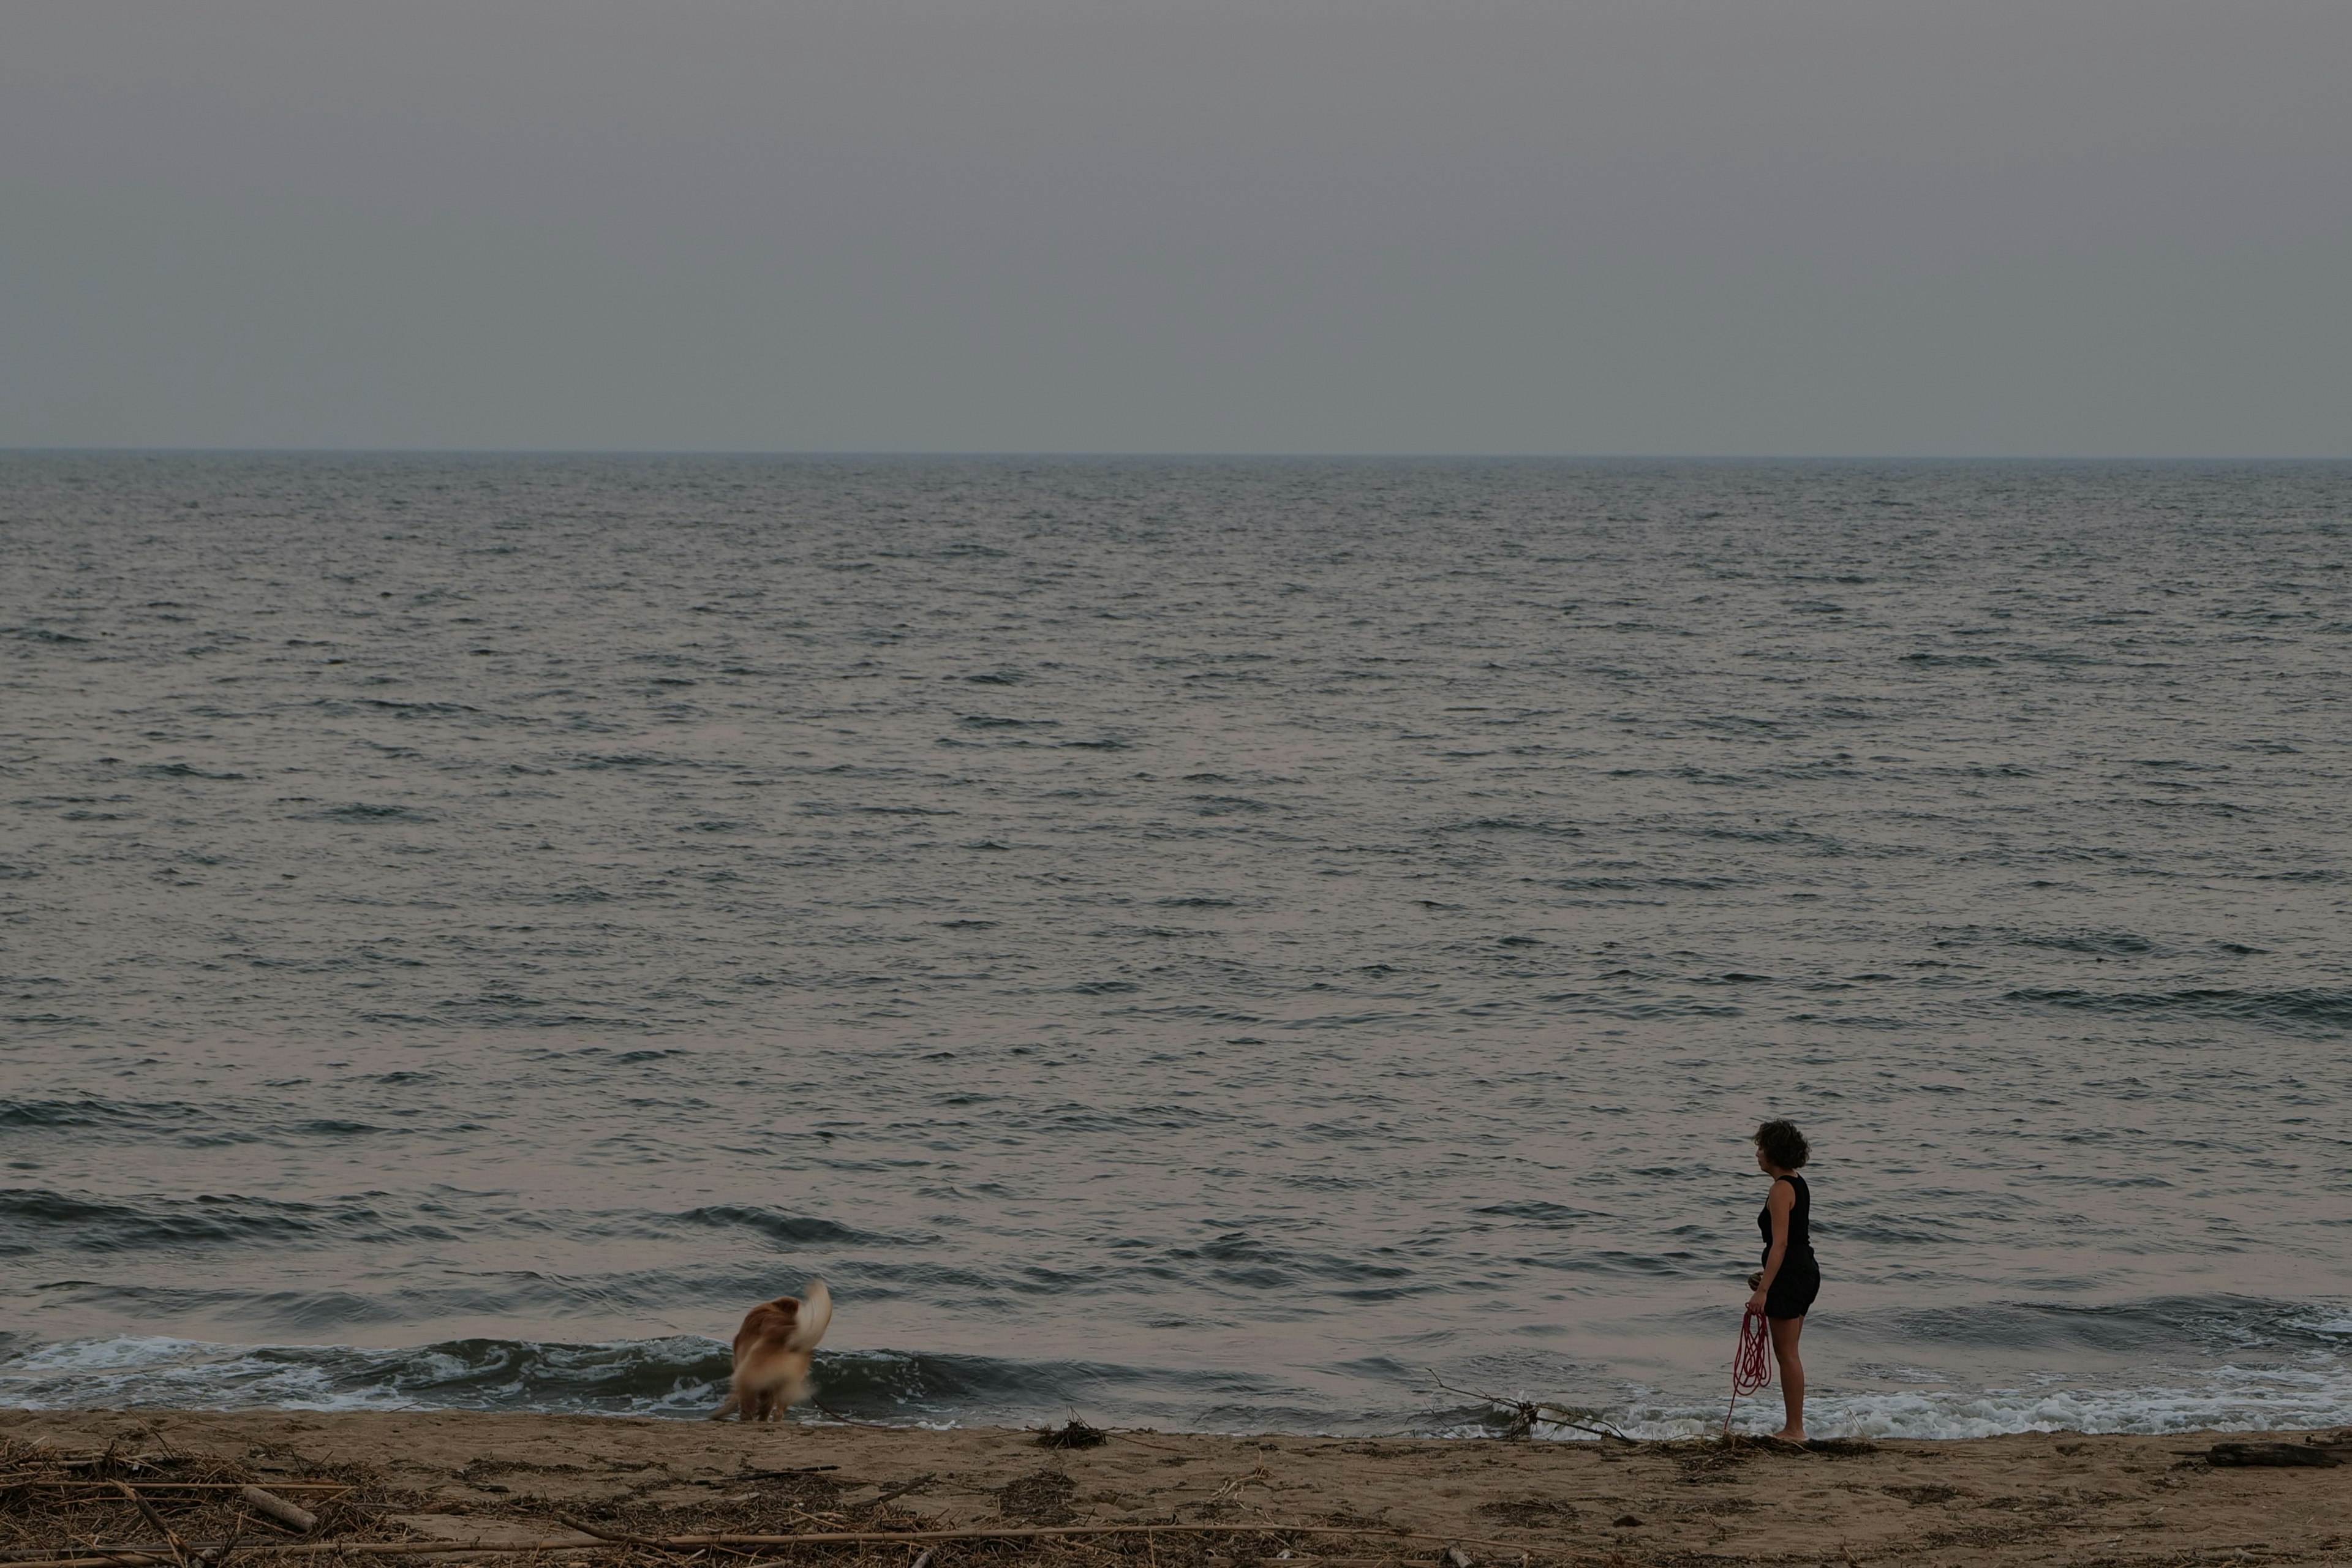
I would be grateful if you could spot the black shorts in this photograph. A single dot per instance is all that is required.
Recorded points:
(1793, 1288)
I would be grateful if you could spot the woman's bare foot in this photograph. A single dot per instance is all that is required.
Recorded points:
(1785, 1436)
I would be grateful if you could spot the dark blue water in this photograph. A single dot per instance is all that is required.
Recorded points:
(1195, 942)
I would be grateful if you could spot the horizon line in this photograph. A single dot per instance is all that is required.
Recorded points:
(1107, 454)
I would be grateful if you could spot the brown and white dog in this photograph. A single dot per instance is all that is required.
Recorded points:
(774, 1351)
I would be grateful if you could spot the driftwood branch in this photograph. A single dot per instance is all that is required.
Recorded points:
(300, 1521)
(1528, 1416)
(615, 1537)
(873, 1505)
(851, 1420)
(147, 1511)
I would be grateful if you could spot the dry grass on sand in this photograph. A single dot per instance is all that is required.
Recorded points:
(422, 1486)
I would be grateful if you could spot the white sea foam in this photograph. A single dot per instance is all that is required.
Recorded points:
(154, 1370)
(659, 1377)
(2330, 1320)
(646, 1377)
(2226, 1398)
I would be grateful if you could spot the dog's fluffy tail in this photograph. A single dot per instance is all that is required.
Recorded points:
(817, 1313)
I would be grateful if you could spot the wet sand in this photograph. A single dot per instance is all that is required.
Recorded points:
(455, 1475)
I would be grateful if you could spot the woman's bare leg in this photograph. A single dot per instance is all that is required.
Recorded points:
(1793, 1376)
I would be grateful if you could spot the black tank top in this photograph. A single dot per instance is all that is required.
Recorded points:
(1801, 1232)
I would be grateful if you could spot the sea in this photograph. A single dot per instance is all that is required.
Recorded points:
(1220, 945)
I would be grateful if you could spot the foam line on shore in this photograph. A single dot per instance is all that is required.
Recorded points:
(683, 1376)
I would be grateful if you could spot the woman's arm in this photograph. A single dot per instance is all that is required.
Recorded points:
(1782, 1200)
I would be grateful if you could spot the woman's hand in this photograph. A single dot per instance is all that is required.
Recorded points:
(1756, 1302)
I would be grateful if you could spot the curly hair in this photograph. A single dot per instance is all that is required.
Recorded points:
(1780, 1142)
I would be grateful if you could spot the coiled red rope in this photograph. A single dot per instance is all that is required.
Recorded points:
(1751, 1368)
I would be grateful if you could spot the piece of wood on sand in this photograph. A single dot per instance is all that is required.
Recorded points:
(294, 1516)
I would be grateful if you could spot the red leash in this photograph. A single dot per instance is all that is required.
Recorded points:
(1751, 1369)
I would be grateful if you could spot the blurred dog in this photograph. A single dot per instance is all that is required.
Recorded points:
(774, 1351)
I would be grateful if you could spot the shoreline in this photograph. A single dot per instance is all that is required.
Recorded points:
(482, 1477)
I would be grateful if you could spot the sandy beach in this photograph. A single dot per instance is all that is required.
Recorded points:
(464, 1477)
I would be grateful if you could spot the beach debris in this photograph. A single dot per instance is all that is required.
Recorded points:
(1459, 1558)
(1076, 1433)
(82, 1555)
(162, 1489)
(1527, 1414)
(1259, 1477)
(848, 1420)
(1626, 1522)
(172, 1543)
(893, 1493)
(111, 1461)
(616, 1538)
(199, 1519)
(293, 1516)
(2284, 1454)
(190, 1511)
(1043, 1498)
(1529, 1513)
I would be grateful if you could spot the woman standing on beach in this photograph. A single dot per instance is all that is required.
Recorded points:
(1791, 1279)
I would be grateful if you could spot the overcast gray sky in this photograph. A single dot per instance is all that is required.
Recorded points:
(1801, 226)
